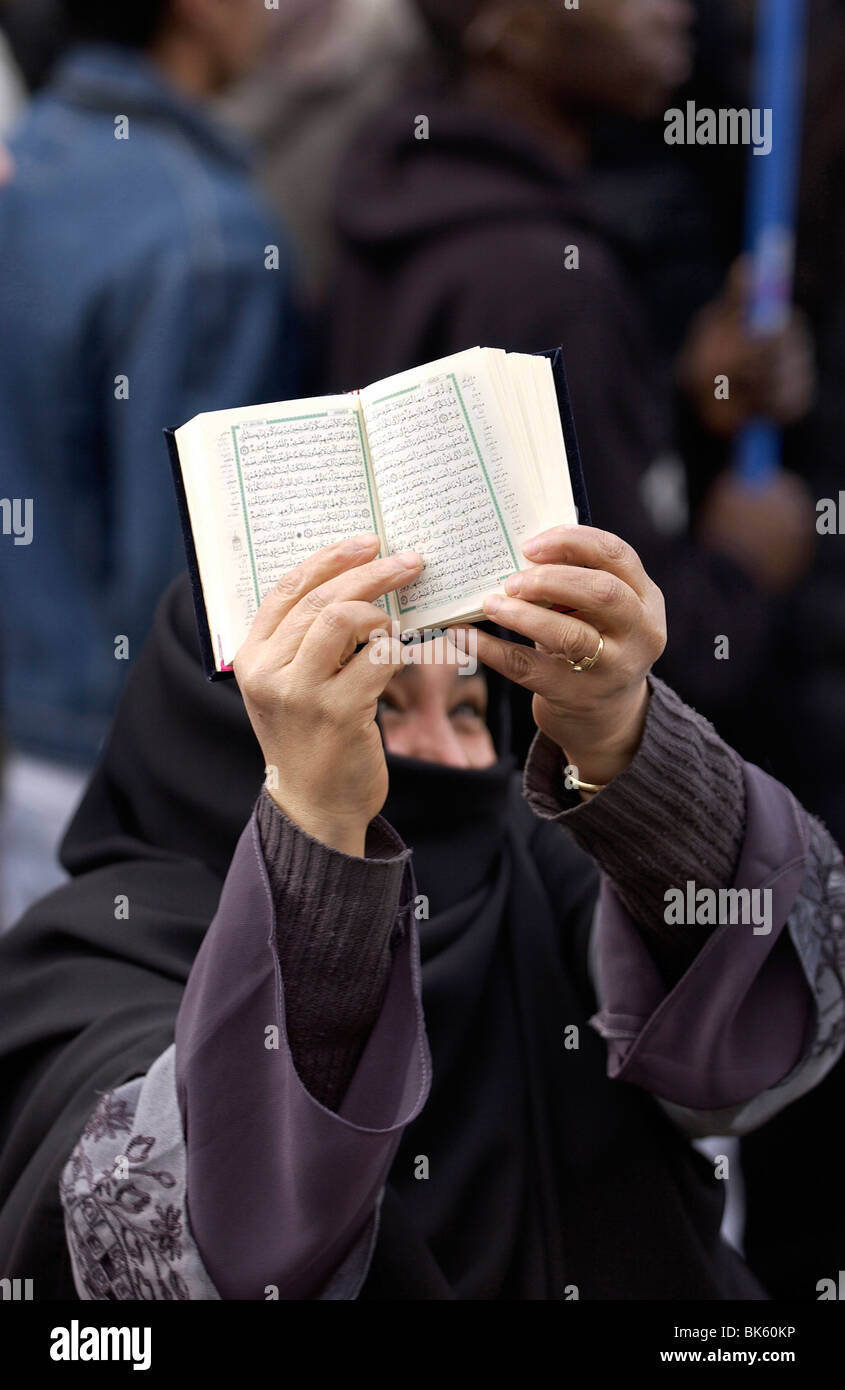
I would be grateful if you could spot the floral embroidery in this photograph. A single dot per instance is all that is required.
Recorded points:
(123, 1241)
(169, 1228)
(817, 921)
(110, 1116)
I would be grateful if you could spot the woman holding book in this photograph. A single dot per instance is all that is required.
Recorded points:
(359, 1032)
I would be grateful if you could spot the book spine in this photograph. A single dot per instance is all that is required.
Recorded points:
(209, 665)
(570, 439)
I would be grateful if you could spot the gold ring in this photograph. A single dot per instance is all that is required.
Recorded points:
(588, 662)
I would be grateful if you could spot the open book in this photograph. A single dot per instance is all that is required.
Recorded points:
(461, 460)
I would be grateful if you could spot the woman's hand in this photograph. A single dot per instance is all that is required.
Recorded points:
(311, 701)
(595, 716)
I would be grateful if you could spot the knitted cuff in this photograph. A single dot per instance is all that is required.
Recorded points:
(335, 919)
(676, 813)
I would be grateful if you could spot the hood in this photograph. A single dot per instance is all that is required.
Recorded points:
(475, 166)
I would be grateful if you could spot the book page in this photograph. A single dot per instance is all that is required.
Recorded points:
(289, 479)
(448, 482)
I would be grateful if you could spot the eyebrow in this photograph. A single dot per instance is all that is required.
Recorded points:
(409, 673)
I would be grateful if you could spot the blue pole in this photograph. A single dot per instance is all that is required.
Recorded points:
(771, 206)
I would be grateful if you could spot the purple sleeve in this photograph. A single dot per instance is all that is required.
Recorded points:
(737, 1021)
(280, 1188)
(688, 823)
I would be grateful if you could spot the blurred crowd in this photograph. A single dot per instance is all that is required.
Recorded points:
(210, 203)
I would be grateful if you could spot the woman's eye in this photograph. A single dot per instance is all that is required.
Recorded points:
(465, 711)
(385, 707)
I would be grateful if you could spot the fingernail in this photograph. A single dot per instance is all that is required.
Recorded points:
(409, 558)
(513, 584)
(532, 547)
(492, 603)
(365, 541)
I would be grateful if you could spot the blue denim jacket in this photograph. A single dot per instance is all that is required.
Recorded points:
(136, 266)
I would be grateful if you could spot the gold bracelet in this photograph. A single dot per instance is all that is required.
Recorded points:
(569, 780)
